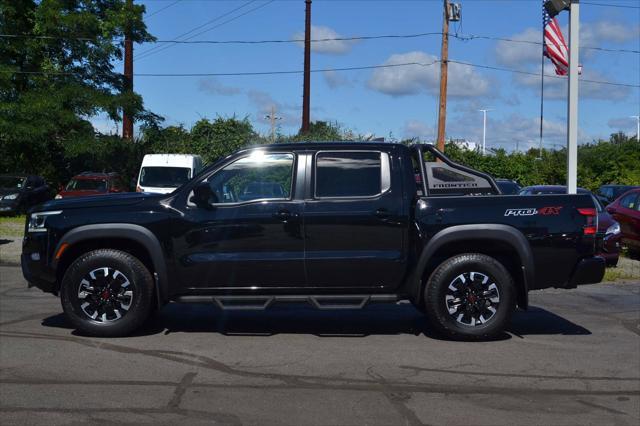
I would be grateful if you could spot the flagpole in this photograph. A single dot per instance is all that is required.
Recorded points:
(541, 86)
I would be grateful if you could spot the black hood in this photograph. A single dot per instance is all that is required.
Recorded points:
(119, 199)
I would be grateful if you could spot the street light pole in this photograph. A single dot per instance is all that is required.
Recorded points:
(572, 113)
(484, 129)
(637, 117)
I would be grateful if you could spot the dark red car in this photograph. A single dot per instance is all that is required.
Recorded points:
(608, 228)
(626, 210)
(91, 183)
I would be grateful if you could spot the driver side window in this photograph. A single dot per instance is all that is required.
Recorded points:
(260, 176)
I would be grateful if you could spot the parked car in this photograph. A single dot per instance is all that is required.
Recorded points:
(18, 193)
(609, 193)
(92, 183)
(163, 173)
(626, 210)
(336, 225)
(508, 186)
(608, 228)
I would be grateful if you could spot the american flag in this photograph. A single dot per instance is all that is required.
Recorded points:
(555, 48)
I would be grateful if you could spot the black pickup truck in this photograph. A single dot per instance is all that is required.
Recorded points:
(336, 225)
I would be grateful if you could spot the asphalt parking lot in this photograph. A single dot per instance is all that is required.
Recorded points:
(573, 359)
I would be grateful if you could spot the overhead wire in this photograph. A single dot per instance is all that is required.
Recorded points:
(459, 36)
(354, 68)
(145, 55)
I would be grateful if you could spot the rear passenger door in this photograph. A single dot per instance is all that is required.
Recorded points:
(354, 234)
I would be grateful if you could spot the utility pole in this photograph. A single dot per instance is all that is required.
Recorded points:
(306, 92)
(637, 117)
(272, 118)
(484, 129)
(444, 65)
(572, 113)
(127, 122)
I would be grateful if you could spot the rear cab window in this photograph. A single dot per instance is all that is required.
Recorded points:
(351, 174)
(445, 180)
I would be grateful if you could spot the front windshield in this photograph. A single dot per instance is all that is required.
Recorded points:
(164, 177)
(11, 182)
(99, 185)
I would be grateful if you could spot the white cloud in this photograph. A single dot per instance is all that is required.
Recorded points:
(424, 76)
(592, 34)
(510, 53)
(265, 104)
(334, 79)
(556, 88)
(625, 124)
(334, 47)
(213, 86)
(418, 129)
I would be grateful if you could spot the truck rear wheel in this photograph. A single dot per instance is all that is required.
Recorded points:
(470, 297)
(107, 293)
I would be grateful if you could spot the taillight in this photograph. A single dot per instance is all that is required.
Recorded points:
(591, 228)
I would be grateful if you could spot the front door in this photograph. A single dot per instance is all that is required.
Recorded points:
(353, 224)
(251, 236)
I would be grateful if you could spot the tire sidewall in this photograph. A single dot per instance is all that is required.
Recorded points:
(443, 276)
(140, 281)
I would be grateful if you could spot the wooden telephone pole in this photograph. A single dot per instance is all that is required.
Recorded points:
(444, 65)
(127, 122)
(306, 92)
(272, 117)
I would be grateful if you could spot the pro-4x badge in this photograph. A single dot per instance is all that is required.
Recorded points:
(542, 211)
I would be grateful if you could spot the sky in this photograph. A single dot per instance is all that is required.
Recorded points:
(394, 102)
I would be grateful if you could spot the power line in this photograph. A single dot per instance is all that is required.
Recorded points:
(248, 73)
(610, 5)
(162, 9)
(211, 21)
(538, 74)
(144, 55)
(355, 68)
(462, 37)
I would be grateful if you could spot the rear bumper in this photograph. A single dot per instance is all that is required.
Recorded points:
(588, 271)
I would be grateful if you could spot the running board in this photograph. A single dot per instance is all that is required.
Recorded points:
(259, 303)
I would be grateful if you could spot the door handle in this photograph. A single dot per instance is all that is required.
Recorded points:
(282, 215)
(381, 213)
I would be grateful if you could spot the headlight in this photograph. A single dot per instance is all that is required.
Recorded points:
(37, 221)
(11, 196)
(58, 196)
(613, 229)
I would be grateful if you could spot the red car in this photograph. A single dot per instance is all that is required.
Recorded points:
(626, 210)
(90, 183)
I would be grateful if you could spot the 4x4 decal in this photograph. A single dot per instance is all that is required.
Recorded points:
(542, 211)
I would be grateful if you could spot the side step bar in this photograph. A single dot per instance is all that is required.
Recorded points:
(259, 303)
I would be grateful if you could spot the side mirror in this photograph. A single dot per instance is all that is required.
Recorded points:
(203, 196)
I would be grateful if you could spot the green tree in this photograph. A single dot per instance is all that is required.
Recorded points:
(57, 72)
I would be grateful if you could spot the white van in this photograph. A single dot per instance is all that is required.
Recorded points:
(162, 173)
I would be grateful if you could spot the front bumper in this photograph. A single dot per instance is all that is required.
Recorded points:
(35, 268)
(8, 207)
(588, 271)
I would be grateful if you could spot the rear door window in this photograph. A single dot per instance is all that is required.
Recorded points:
(630, 201)
(349, 174)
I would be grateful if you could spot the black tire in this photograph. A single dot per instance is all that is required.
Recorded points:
(447, 296)
(97, 284)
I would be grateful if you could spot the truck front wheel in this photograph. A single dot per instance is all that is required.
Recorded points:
(470, 297)
(107, 293)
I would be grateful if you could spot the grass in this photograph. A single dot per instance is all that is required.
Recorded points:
(12, 226)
